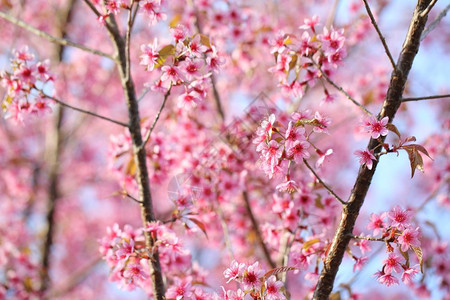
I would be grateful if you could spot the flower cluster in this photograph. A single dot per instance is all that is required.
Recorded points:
(151, 7)
(301, 59)
(254, 282)
(395, 227)
(188, 63)
(126, 253)
(24, 86)
(282, 144)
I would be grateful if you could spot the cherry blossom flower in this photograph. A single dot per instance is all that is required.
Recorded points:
(235, 271)
(376, 223)
(196, 47)
(251, 277)
(365, 158)
(273, 289)
(190, 68)
(387, 279)
(310, 23)
(171, 73)
(288, 186)
(298, 151)
(400, 218)
(409, 238)
(182, 289)
(323, 156)
(377, 127)
(188, 100)
(409, 274)
(179, 32)
(272, 152)
(134, 272)
(392, 262)
(150, 55)
(359, 263)
(323, 123)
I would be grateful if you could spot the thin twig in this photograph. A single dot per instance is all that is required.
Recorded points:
(436, 21)
(332, 15)
(76, 278)
(83, 110)
(342, 90)
(51, 38)
(425, 98)
(257, 231)
(383, 41)
(149, 132)
(323, 183)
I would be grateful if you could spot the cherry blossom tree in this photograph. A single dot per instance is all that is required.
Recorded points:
(224, 149)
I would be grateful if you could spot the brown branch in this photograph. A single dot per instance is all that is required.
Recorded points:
(425, 98)
(257, 231)
(75, 279)
(53, 39)
(368, 238)
(87, 112)
(323, 183)
(140, 157)
(436, 21)
(391, 104)
(383, 41)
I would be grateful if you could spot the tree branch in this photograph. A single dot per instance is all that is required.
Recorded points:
(340, 89)
(83, 110)
(149, 132)
(257, 231)
(53, 153)
(368, 238)
(436, 21)
(140, 157)
(323, 183)
(425, 98)
(53, 39)
(391, 104)
(383, 41)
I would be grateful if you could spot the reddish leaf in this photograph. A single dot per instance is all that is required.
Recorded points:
(278, 270)
(415, 159)
(421, 149)
(200, 225)
(410, 139)
(393, 128)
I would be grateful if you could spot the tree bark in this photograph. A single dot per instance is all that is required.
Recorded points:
(391, 104)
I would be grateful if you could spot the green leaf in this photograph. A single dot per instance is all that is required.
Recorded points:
(419, 255)
(293, 62)
(406, 256)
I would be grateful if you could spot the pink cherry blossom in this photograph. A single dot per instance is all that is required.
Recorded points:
(377, 128)
(377, 223)
(392, 263)
(365, 158)
(400, 218)
(273, 289)
(409, 274)
(408, 238)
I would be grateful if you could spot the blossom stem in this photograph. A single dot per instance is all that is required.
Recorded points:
(158, 114)
(53, 39)
(358, 237)
(340, 89)
(383, 41)
(323, 183)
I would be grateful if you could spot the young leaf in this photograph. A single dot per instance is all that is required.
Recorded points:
(200, 225)
(415, 159)
(406, 256)
(309, 243)
(278, 271)
(165, 52)
(393, 128)
(419, 254)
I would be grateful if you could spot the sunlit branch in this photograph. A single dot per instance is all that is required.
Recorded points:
(425, 98)
(428, 9)
(51, 38)
(436, 21)
(158, 114)
(323, 183)
(257, 231)
(383, 41)
(340, 89)
(83, 110)
(368, 238)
